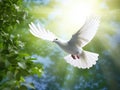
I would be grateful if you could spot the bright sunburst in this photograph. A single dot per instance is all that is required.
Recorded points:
(72, 15)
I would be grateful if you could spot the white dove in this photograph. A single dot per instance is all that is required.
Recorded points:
(77, 56)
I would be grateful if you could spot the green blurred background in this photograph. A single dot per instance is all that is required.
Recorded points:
(29, 63)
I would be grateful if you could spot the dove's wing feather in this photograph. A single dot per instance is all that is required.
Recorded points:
(87, 60)
(86, 32)
(40, 32)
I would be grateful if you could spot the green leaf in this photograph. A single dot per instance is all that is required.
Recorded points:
(22, 65)
(30, 85)
(36, 70)
(22, 79)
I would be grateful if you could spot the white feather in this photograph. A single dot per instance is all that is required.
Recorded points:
(87, 60)
(85, 34)
(40, 32)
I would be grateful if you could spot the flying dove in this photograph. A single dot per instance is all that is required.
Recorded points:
(76, 55)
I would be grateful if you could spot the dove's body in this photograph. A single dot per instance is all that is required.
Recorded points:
(77, 56)
(69, 48)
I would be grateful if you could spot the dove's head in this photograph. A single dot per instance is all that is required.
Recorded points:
(56, 40)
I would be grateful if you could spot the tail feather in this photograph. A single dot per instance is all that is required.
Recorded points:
(87, 60)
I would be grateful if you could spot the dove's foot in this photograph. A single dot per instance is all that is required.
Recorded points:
(78, 56)
(73, 56)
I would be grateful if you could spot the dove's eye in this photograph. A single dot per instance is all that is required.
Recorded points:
(56, 39)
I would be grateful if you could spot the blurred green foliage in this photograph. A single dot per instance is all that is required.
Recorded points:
(61, 76)
(15, 63)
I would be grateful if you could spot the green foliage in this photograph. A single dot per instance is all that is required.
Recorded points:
(15, 64)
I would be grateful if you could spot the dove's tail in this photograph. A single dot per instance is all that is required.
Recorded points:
(86, 60)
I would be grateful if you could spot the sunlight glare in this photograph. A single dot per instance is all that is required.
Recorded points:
(73, 16)
(78, 12)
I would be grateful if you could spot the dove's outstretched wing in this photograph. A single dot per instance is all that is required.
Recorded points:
(86, 32)
(40, 32)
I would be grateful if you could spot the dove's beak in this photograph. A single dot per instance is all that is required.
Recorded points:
(53, 40)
